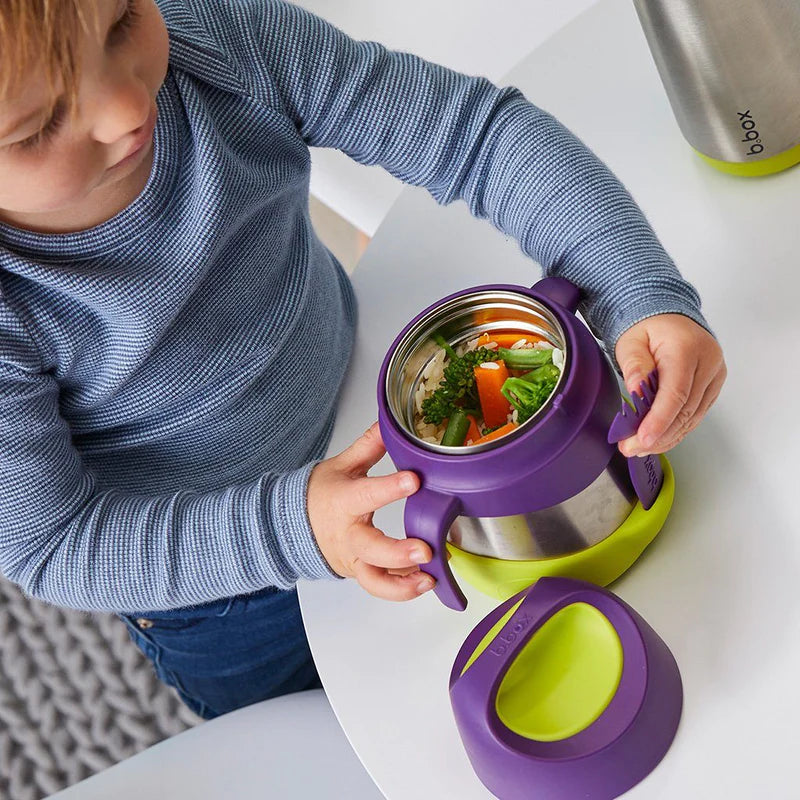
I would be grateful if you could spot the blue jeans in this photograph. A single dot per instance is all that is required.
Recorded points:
(227, 654)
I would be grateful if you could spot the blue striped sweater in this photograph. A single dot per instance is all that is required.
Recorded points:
(155, 434)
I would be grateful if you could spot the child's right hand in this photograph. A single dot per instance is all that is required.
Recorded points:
(341, 502)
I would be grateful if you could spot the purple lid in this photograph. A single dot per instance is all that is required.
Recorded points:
(606, 758)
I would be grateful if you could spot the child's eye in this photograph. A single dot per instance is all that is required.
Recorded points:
(125, 23)
(44, 134)
(116, 35)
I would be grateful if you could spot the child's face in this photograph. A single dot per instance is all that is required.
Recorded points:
(51, 167)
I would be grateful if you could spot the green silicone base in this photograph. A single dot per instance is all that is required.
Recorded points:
(756, 169)
(601, 564)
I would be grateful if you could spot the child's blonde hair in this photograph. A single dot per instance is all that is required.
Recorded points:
(40, 34)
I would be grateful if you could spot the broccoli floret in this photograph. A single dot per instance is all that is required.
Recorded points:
(545, 374)
(529, 393)
(457, 388)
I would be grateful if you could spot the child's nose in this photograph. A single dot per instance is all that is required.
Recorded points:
(126, 107)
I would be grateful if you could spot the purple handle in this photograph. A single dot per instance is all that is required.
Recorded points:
(647, 475)
(559, 290)
(428, 516)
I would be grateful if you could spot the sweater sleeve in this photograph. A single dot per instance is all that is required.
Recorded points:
(66, 542)
(463, 138)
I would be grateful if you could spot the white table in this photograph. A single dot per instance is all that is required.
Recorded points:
(719, 583)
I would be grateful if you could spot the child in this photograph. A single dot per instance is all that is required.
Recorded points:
(173, 335)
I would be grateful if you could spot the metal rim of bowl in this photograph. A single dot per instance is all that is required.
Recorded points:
(448, 314)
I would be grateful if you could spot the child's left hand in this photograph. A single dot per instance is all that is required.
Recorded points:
(342, 499)
(691, 371)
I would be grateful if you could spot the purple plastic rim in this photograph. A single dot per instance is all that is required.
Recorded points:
(498, 482)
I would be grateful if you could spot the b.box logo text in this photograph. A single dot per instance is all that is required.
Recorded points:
(751, 135)
(505, 640)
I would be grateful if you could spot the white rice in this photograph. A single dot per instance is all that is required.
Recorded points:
(472, 344)
(432, 376)
(435, 366)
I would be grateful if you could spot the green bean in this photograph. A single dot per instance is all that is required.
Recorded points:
(457, 427)
(525, 357)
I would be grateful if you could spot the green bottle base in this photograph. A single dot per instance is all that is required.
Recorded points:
(756, 169)
(601, 564)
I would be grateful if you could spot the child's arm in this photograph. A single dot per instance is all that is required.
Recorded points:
(67, 540)
(511, 162)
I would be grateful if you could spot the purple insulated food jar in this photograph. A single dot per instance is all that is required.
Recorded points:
(553, 487)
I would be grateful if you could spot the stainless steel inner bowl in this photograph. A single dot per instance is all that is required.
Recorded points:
(458, 321)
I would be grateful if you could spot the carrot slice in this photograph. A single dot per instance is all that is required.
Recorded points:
(507, 428)
(504, 339)
(489, 378)
(473, 432)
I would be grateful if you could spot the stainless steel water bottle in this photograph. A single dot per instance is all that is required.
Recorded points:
(731, 69)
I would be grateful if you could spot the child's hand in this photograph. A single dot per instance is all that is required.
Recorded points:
(691, 371)
(341, 502)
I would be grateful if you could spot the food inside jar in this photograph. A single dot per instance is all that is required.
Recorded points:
(484, 389)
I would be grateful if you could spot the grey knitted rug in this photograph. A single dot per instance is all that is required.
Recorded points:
(76, 696)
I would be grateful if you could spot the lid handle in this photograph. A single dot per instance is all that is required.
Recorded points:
(479, 684)
(538, 605)
(560, 291)
(428, 516)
